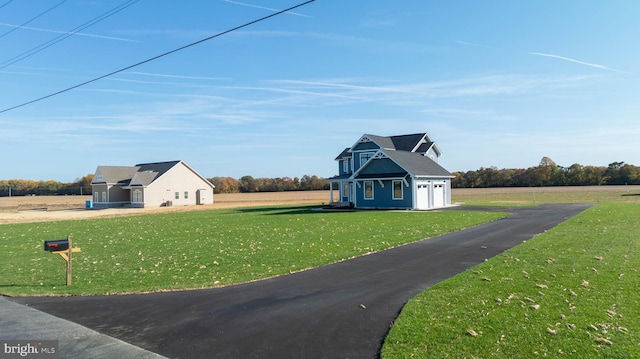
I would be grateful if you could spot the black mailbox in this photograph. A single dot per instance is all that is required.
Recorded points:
(57, 245)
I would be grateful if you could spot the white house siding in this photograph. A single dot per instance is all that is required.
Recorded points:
(178, 179)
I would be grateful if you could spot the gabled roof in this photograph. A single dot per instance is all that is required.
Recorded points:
(415, 164)
(417, 142)
(139, 175)
(344, 154)
(114, 174)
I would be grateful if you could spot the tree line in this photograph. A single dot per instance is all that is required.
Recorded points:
(548, 173)
(246, 184)
(21, 187)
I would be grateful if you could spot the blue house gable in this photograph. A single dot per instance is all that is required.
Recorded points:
(395, 172)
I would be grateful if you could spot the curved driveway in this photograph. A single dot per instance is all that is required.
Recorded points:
(342, 310)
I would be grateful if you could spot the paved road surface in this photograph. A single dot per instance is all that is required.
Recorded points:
(337, 311)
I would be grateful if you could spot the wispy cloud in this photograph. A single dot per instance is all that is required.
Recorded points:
(67, 32)
(598, 66)
(175, 76)
(264, 8)
(473, 44)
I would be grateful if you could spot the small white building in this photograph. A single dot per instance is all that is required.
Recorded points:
(158, 184)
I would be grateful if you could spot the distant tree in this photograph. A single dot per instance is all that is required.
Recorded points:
(248, 184)
(225, 185)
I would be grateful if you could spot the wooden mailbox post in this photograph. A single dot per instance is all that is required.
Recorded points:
(64, 248)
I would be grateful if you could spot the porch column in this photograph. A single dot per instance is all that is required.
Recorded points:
(330, 192)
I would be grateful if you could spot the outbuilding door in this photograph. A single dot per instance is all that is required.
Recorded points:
(201, 196)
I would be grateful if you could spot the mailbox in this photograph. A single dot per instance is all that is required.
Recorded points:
(57, 245)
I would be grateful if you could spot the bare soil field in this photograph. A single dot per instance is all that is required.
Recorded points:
(25, 209)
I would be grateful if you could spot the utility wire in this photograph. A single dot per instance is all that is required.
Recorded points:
(158, 56)
(5, 4)
(32, 19)
(67, 34)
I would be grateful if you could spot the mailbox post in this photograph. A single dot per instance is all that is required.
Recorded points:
(63, 248)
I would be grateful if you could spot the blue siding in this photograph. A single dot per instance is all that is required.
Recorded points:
(341, 167)
(382, 166)
(383, 196)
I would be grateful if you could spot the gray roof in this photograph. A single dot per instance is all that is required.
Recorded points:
(402, 142)
(344, 154)
(417, 164)
(144, 172)
(413, 163)
(417, 142)
(115, 174)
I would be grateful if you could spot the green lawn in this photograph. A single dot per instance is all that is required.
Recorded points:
(205, 248)
(572, 291)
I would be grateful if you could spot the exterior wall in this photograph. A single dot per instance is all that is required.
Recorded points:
(383, 195)
(341, 169)
(365, 147)
(179, 179)
(116, 196)
(431, 193)
(382, 166)
(431, 153)
(357, 163)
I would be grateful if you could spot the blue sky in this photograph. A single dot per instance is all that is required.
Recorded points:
(495, 83)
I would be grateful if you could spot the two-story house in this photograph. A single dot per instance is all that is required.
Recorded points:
(396, 172)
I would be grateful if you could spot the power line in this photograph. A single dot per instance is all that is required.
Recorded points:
(158, 56)
(32, 19)
(5, 4)
(67, 34)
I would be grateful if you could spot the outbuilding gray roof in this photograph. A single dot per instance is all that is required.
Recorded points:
(144, 172)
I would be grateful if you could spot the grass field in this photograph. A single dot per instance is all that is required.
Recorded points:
(572, 291)
(198, 249)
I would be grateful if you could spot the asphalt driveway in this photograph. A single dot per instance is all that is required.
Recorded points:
(342, 310)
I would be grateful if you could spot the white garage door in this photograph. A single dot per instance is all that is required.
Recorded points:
(422, 196)
(438, 194)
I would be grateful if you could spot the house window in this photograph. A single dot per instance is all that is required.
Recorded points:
(186, 195)
(96, 197)
(345, 165)
(137, 196)
(368, 190)
(104, 196)
(364, 157)
(177, 196)
(397, 189)
(345, 190)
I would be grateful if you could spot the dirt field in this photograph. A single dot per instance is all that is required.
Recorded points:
(57, 208)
